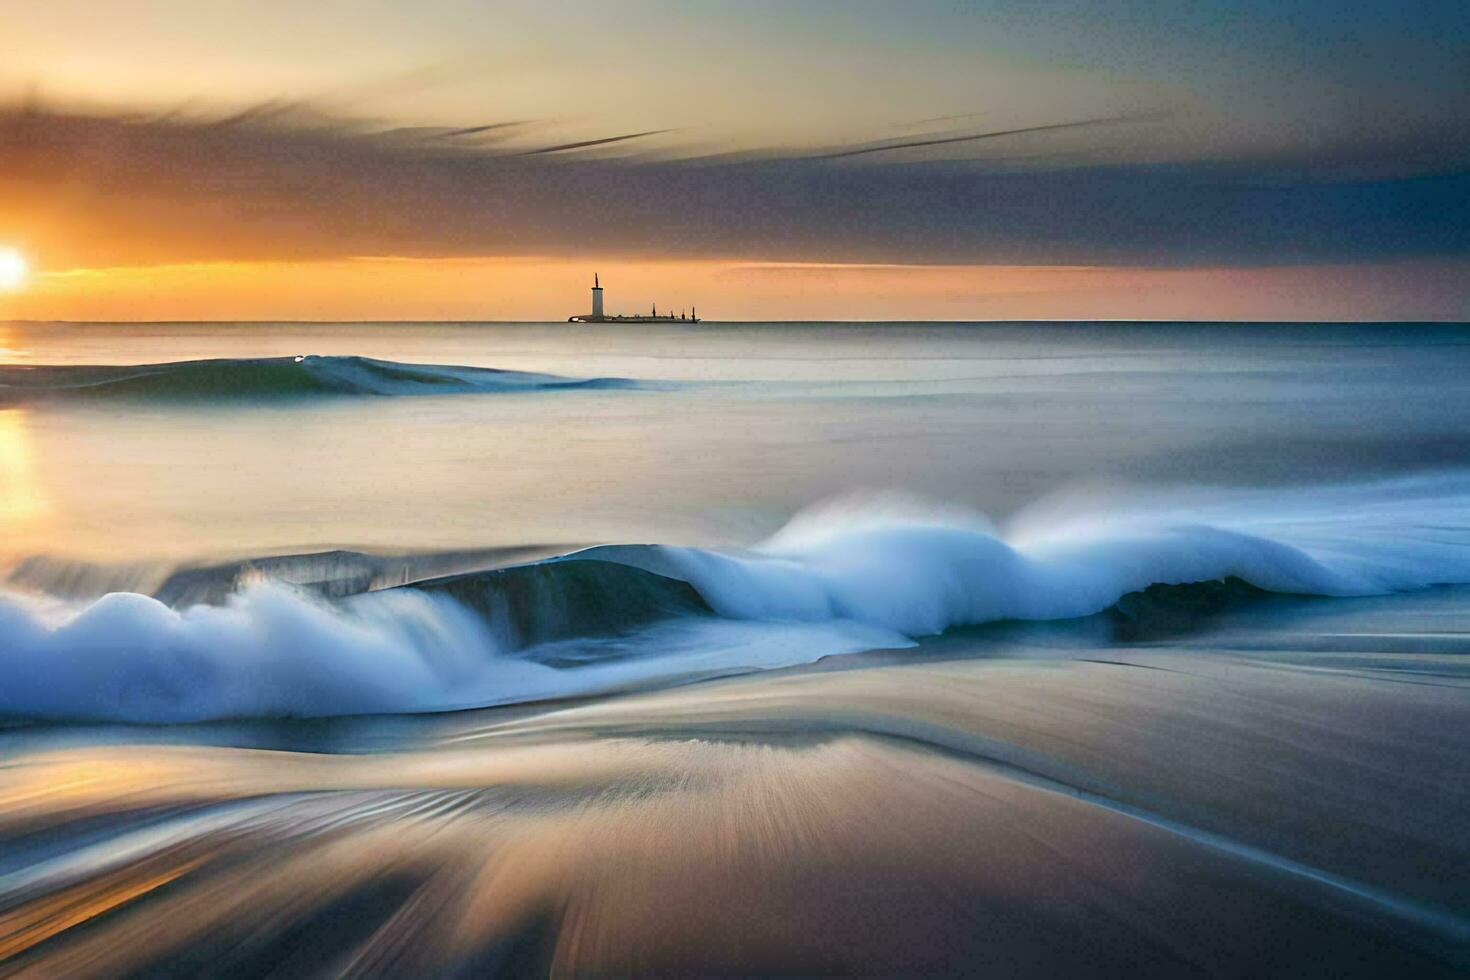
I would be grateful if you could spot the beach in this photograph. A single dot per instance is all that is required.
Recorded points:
(1071, 649)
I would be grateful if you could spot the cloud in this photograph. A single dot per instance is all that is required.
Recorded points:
(283, 180)
(893, 145)
(584, 144)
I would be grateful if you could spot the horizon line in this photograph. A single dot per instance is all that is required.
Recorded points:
(708, 321)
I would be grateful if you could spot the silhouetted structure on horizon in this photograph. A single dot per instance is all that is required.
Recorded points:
(598, 316)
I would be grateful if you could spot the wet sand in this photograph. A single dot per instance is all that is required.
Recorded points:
(1144, 810)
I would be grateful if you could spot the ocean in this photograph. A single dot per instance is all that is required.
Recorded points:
(1030, 648)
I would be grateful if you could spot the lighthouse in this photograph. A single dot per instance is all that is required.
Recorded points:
(598, 315)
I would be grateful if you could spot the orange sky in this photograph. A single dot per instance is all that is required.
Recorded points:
(551, 289)
(173, 159)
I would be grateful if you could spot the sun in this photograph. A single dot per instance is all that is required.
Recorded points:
(13, 268)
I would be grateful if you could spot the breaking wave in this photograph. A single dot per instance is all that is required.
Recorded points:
(839, 579)
(272, 377)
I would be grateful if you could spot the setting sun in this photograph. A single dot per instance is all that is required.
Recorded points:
(12, 268)
(727, 487)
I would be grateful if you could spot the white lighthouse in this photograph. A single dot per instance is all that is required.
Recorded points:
(596, 298)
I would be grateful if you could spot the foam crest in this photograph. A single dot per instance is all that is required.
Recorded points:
(266, 652)
(1080, 553)
(838, 579)
(272, 652)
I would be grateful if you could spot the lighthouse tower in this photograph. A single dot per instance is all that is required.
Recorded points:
(596, 298)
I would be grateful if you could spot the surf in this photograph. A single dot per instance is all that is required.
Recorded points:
(300, 376)
(837, 579)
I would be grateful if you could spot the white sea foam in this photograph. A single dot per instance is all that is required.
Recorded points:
(267, 652)
(837, 579)
(273, 652)
(1075, 554)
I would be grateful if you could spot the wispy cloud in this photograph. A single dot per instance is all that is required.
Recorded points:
(933, 141)
(286, 180)
(585, 144)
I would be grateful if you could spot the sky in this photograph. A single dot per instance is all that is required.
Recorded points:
(462, 159)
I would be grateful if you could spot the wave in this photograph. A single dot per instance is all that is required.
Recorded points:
(272, 377)
(272, 652)
(839, 579)
(331, 574)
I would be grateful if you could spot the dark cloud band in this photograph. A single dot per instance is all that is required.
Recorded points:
(283, 182)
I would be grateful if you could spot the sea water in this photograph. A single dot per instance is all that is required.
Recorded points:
(1019, 646)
